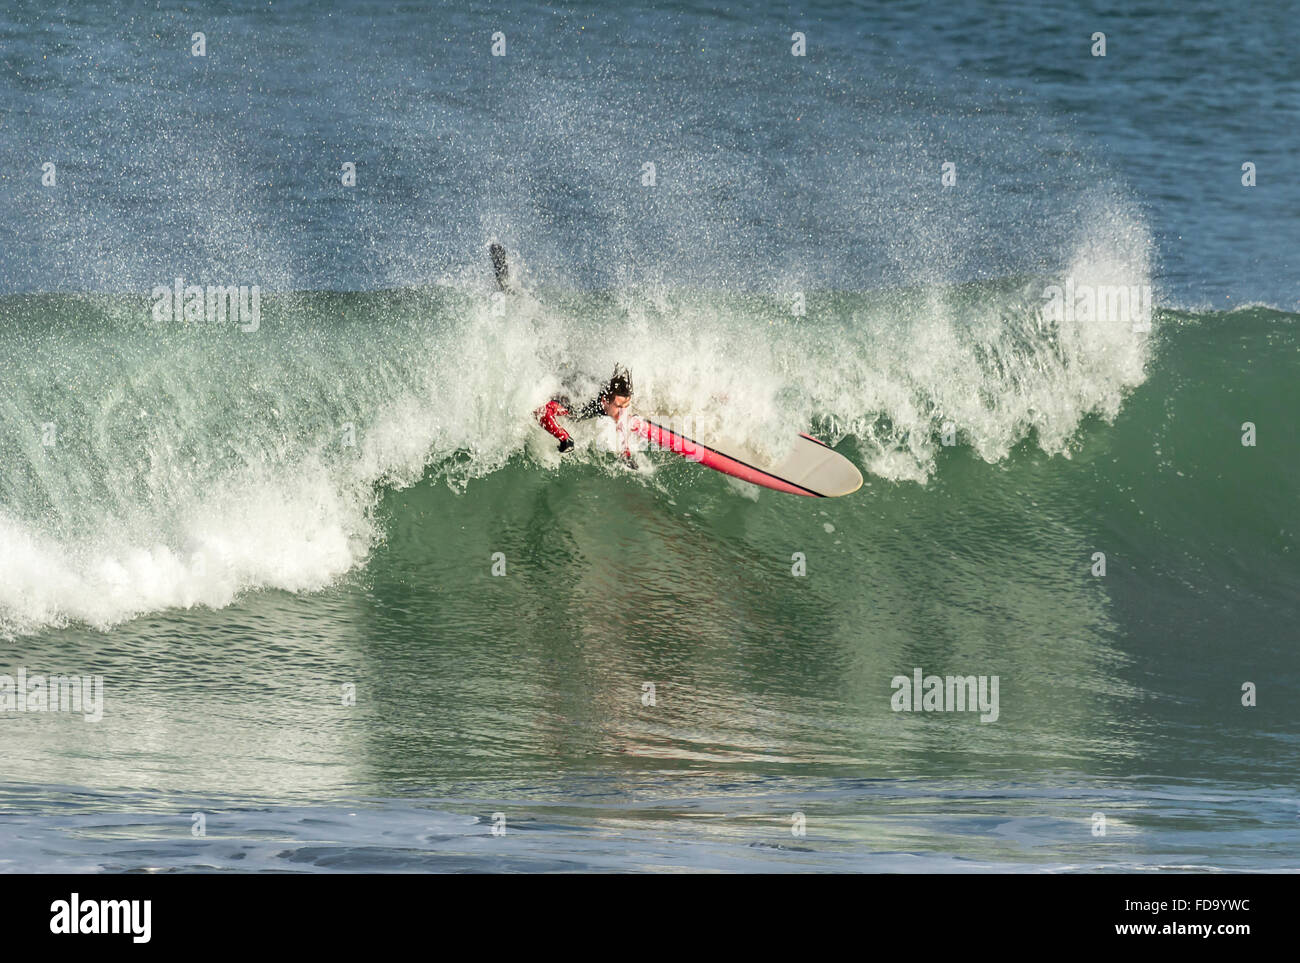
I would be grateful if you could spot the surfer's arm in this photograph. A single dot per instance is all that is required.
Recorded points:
(627, 445)
(546, 416)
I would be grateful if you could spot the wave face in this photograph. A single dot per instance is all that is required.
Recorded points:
(377, 447)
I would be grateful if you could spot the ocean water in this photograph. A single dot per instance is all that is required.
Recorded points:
(350, 609)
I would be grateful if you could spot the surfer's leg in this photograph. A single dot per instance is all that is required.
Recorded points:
(499, 266)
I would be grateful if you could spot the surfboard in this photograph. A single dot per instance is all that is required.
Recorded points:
(810, 468)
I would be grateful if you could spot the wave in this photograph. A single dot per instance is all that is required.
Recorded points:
(155, 464)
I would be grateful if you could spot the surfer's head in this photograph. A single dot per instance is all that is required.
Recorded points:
(617, 393)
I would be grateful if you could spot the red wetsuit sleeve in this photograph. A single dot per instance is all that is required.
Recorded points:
(546, 416)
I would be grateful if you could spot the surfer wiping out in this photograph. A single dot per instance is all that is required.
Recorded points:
(612, 401)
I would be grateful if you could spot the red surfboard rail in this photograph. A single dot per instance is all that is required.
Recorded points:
(696, 451)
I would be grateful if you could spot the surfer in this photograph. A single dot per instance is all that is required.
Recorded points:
(612, 400)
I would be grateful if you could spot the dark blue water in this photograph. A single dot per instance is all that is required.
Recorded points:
(822, 169)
